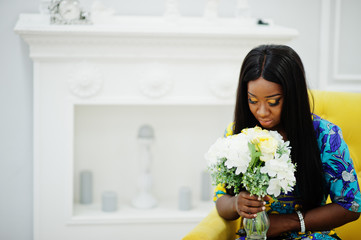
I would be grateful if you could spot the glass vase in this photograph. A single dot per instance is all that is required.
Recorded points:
(256, 228)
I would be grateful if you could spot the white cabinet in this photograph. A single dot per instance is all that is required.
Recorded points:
(95, 85)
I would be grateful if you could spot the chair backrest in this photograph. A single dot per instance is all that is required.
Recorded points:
(344, 110)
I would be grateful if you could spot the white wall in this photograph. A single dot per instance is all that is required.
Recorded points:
(315, 43)
(15, 125)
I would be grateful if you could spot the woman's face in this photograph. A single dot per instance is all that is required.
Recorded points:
(265, 100)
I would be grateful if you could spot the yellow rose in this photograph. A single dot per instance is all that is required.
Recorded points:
(253, 134)
(268, 146)
(263, 140)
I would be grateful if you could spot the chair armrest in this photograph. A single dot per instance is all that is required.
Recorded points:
(214, 227)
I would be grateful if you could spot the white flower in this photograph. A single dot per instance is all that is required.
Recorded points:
(278, 166)
(216, 151)
(274, 187)
(238, 154)
(277, 136)
(281, 169)
(234, 149)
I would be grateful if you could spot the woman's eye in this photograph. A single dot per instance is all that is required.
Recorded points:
(252, 100)
(273, 102)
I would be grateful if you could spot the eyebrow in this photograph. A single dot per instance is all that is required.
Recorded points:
(274, 95)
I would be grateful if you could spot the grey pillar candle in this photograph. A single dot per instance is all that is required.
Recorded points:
(109, 201)
(185, 199)
(205, 186)
(86, 187)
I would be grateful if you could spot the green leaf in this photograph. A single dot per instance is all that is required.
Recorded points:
(254, 156)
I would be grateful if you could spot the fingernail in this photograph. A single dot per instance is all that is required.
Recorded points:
(263, 208)
(255, 215)
(264, 203)
(259, 198)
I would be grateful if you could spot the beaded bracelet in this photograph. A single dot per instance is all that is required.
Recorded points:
(302, 221)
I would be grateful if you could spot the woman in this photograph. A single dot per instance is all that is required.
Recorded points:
(272, 93)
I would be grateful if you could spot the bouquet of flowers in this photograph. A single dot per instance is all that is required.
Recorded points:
(255, 159)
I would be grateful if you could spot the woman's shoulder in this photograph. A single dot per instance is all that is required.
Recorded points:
(323, 126)
(329, 136)
(318, 119)
(229, 130)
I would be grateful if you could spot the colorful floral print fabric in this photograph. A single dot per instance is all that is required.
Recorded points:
(339, 174)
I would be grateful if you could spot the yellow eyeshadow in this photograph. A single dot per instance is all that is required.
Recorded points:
(253, 99)
(272, 101)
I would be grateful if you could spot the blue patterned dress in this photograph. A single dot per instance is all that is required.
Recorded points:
(339, 173)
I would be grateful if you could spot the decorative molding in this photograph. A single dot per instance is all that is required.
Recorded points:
(330, 78)
(324, 43)
(204, 47)
(156, 82)
(85, 80)
(224, 89)
(336, 37)
(337, 34)
(347, 77)
(336, 48)
(223, 83)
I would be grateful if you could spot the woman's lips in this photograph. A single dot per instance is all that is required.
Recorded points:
(265, 123)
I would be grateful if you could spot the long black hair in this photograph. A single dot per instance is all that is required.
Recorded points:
(282, 65)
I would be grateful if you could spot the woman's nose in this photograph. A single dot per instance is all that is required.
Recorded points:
(263, 110)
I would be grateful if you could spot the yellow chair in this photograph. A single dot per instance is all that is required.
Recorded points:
(340, 108)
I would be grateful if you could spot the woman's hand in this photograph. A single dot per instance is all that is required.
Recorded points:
(232, 207)
(248, 206)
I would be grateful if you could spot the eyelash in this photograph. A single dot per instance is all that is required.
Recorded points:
(277, 101)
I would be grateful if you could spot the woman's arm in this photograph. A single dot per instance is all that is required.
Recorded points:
(319, 219)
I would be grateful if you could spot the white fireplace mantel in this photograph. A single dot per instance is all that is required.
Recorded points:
(94, 85)
(129, 36)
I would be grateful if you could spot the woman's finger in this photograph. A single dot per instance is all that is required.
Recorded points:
(245, 199)
(250, 209)
(248, 215)
(247, 206)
